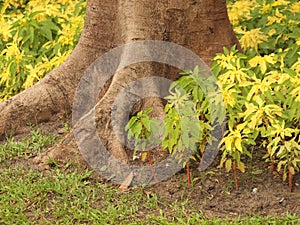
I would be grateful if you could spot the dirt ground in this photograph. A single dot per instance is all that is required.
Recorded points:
(213, 191)
(215, 194)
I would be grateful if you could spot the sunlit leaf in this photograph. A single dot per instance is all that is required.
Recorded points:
(228, 165)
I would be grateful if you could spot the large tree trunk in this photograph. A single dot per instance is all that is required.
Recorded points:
(199, 25)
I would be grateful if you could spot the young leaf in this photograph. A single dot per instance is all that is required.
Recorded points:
(228, 165)
(146, 122)
(241, 167)
(144, 156)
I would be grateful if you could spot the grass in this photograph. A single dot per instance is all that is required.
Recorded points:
(26, 148)
(71, 195)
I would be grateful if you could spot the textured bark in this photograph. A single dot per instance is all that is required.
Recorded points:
(199, 25)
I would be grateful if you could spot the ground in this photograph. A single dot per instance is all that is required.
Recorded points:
(212, 192)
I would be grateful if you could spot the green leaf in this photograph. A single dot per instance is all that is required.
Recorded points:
(34, 23)
(292, 55)
(147, 111)
(295, 34)
(146, 123)
(137, 130)
(226, 52)
(35, 13)
(144, 145)
(246, 152)
(195, 128)
(130, 123)
(46, 32)
(50, 25)
(130, 135)
(185, 139)
(280, 96)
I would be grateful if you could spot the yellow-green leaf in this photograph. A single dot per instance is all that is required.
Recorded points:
(228, 165)
(241, 167)
(238, 144)
(144, 156)
(291, 170)
(228, 144)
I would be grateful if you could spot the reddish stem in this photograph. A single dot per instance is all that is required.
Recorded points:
(272, 166)
(291, 181)
(235, 175)
(151, 166)
(188, 173)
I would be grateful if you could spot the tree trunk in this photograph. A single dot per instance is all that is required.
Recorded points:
(199, 25)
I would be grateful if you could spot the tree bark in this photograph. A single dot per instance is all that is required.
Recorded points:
(199, 25)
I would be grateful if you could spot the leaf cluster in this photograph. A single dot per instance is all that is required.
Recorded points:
(35, 37)
(258, 92)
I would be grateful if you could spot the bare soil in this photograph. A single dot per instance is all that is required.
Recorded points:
(215, 194)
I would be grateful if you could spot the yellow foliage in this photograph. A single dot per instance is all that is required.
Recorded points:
(252, 38)
(262, 61)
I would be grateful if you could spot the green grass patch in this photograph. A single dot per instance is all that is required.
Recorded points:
(28, 147)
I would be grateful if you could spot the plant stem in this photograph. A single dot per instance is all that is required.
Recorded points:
(290, 181)
(272, 166)
(188, 173)
(151, 166)
(235, 175)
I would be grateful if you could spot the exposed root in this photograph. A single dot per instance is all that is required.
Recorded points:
(60, 154)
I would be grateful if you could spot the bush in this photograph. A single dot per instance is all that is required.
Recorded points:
(35, 37)
(260, 90)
